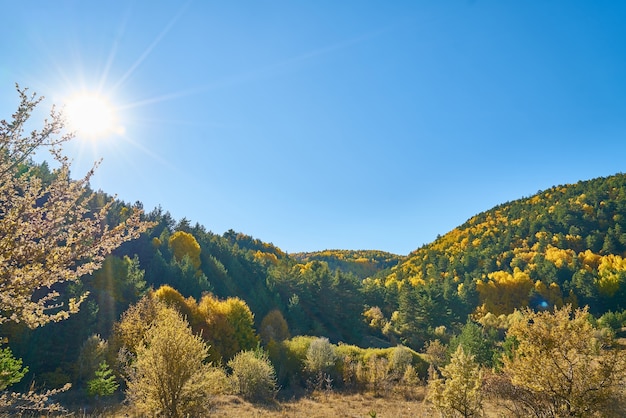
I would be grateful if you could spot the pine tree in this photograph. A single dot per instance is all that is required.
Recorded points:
(11, 370)
(104, 384)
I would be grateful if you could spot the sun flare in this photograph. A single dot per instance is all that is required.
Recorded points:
(91, 115)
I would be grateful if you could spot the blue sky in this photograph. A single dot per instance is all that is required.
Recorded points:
(332, 124)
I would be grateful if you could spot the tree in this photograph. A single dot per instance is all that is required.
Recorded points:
(170, 377)
(459, 393)
(321, 356)
(104, 382)
(228, 326)
(49, 232)
(184, 244)
(476, 341)
(11, 370)
(561, 366)
(274, 327)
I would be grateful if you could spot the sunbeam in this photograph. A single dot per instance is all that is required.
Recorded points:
(151, 47)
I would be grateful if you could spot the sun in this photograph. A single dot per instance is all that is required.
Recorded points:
(91, 115)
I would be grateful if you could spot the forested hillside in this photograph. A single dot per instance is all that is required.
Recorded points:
(361, 263)
(562, 245)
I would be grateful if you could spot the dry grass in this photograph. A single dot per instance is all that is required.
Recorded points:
(324, 405)
(317, 405)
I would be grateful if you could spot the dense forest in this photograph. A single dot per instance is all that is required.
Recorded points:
(333, 318)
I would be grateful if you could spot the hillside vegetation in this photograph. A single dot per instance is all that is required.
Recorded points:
(361, 263)
(562, 245)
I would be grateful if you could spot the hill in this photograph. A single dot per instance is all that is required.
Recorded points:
(565, 244)
(362, 263)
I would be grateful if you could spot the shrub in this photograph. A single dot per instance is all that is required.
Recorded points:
(169, 376)
(253, 375)
(460, 392)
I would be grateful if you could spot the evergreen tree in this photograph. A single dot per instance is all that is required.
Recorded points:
(11, 370)
(104, 382)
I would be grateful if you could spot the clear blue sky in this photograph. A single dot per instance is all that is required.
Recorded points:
(332, 124)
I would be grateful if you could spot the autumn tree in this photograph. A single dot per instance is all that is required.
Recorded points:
(49, 232)
(503, 292)
(229, 326)
(184, 244)
(129, 332)
(170, 377)
(274, 327)
(459, 392)
(561, 365)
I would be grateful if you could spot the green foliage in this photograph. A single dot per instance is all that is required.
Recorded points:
(104, 383)
(92, 355)
(476, 341)
(563, 245)
(11, 370)
(253, 375)
(613, 320)
(319, 302)
(288, 358)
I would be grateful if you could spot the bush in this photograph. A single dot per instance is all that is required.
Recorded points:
(253, 375)
(170, 376)
(288, 358)
(400, 358)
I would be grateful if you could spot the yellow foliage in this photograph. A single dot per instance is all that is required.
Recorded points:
(170, 377)
(590, 260)
(184, 244)
(611, 273)
(172, 298)
(560, 258)
(551, 294)
(228, 326)
(566, 367)
(503, 292)
(265, 258)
